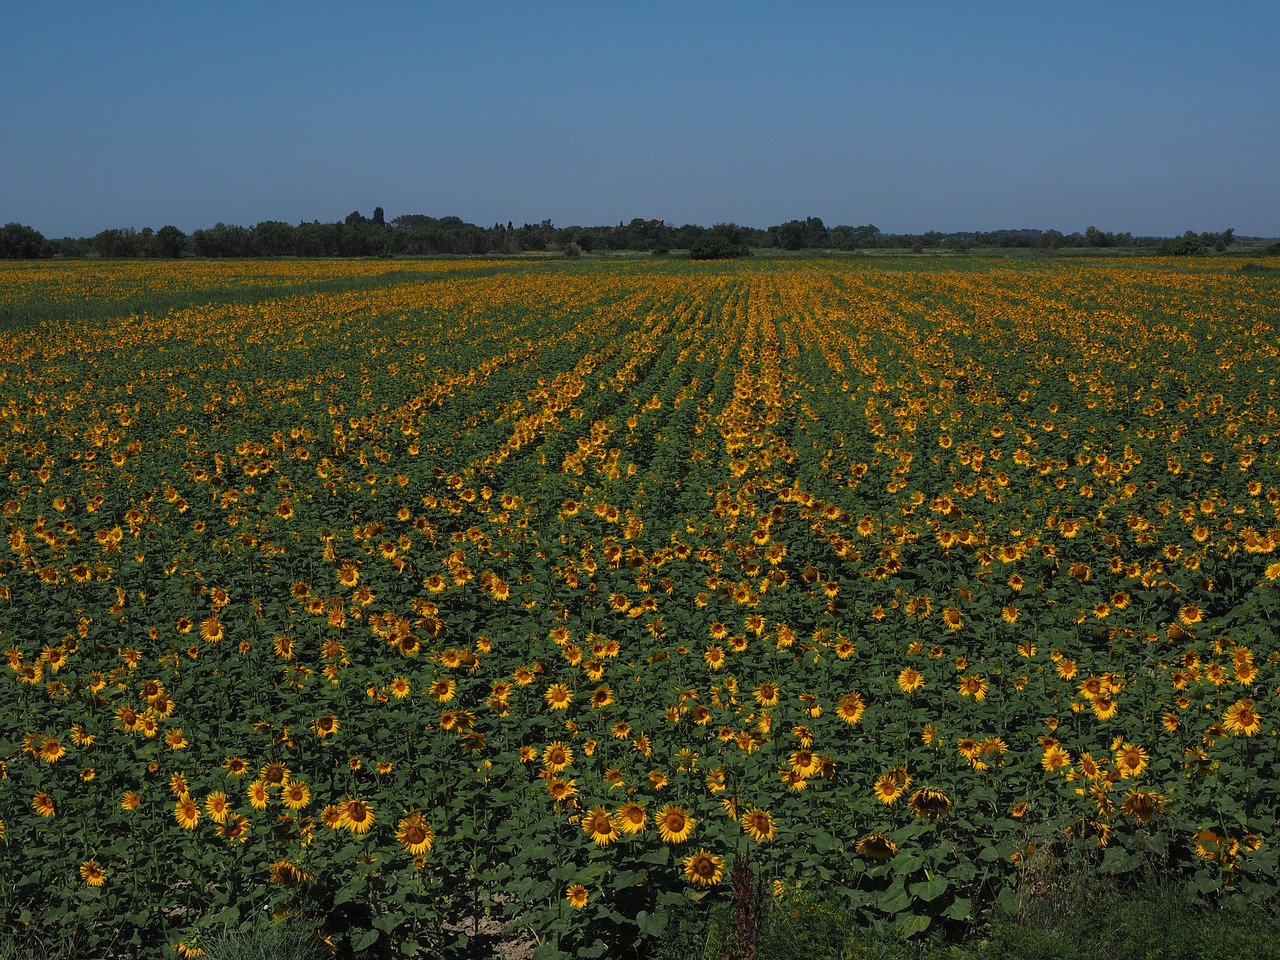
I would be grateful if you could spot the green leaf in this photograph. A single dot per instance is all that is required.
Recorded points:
(929, 890)
(365, 940)
(911, 924)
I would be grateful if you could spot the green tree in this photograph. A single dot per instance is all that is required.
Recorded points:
(169, 241)
(20, 242)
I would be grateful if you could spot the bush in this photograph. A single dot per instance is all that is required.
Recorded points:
(716, 246)
(1187, 245)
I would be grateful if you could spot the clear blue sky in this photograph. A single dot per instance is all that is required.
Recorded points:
(1153, 117)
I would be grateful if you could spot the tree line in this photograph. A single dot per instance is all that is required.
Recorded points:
(418, 235)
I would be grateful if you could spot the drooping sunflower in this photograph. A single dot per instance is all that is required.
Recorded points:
(704, 868)
(674, 823)
(600, 826)
(1143, 805)
(42, 804)
(876, 847)
(415, 834)
(758, 824)
(930, 803)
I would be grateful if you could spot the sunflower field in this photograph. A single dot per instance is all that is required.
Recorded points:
(392, 596)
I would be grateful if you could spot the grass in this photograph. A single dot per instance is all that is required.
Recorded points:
(1071, 917)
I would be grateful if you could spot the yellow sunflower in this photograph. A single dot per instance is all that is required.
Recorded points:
(704, 868)
(415, 834)
(600, 826)
(674, 824)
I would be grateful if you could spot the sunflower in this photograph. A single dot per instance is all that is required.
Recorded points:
(1104, 708)
(217, 806)
(275, 774)
(767, 694)
(186, 813)
(42, 804)
(296, 795)
(876, 847)
(325, 726)
(1131, 760)
(910, 680)
(235, 829)
(1241, 719)
(602, 697)
(805, 763)
(600, 826)
(557, 756)
(259, 796)
(630, 818)
(129, 800)
(758, 824)
(92, 874)
(714, 656)
(930, 803)
(1143, 805)
(52, 750)
(973, 686)
(357, 816)
(175, 739)
(558, 696)
(235, 766)
(1055, 758)
(415, 834)
(577, 896)
(561, 790)
(674, 824)
(889, 787)
(952, 618)
(704, 868)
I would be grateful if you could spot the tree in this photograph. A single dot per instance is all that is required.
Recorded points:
(379, 218)
(169, 241)
(1093, 237)
(20, 242)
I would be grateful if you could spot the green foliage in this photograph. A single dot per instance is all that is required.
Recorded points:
(1187, 245)
(716, 246)
(20, 242)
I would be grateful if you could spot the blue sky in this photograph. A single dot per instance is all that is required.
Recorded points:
(1152, 117)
